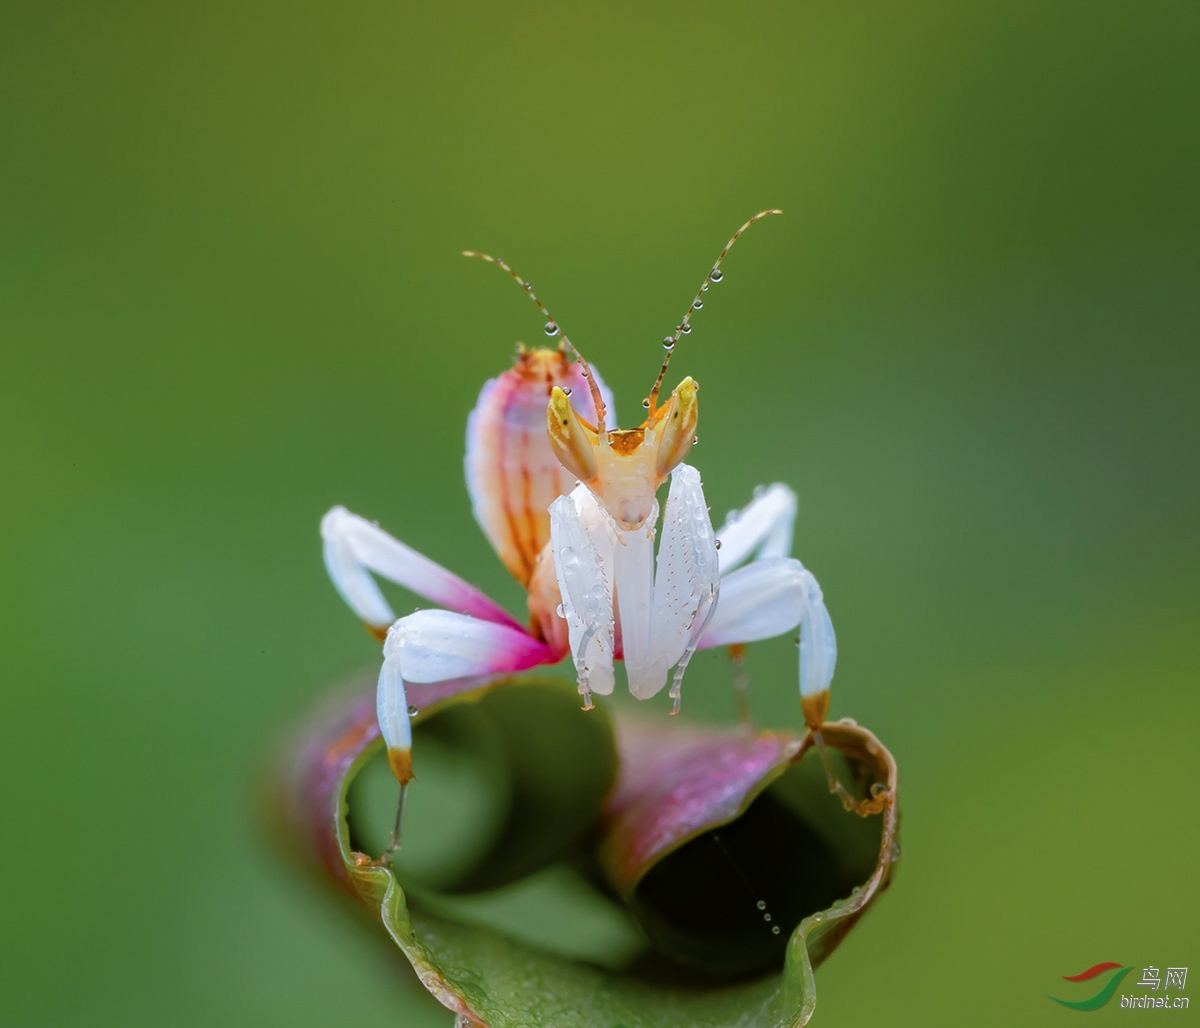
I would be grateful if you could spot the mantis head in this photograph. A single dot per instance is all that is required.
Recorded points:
(625, 467)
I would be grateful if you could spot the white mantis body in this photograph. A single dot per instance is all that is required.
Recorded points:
(571, 508)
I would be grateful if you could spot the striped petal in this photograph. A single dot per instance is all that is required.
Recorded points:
(512, 473)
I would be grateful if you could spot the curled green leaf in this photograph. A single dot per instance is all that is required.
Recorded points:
(736, 857)
(494, 975)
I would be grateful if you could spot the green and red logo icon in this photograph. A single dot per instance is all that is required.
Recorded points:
(1108, 975)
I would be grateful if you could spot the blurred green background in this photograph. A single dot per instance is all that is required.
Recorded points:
(231, 297)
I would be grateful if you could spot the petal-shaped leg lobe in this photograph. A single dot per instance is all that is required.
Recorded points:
(355, 549)
(771, 597)
(759, 601)
(435, 645)
(391, 707)
(439, 646)
(818, 645)
(763, 528)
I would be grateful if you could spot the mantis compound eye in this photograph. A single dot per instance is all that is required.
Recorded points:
(676, 430)
(574, 442)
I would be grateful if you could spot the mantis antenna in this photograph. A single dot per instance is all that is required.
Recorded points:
(552, 329)
(685, 325)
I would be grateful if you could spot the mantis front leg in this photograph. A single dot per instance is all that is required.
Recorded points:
(582, 538)
(687, 582)
(665, 607)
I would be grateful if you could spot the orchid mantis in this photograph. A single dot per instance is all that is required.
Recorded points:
(570, 505)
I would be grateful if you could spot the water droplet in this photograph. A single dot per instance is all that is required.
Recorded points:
(895, 852)
(716, 275)
(559, 611)
(695, 440)
(774, 929)
(717, 544)
(413, 711)
(766, 917)
(878, 789)
(646, 403)
(704, 288)
(668, 342)
(529, 287)
(697, 304)
(686, 328)
(567, 391)
(551, 328)
(761, 904)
